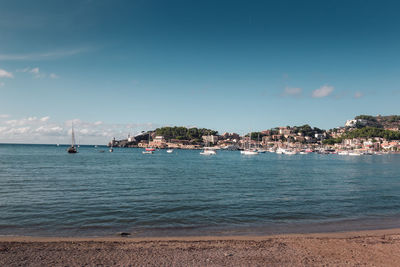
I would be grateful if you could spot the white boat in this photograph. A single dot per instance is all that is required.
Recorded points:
(280, 151)
(343, 153)
(354, 153)
(249, 152)
(111, 149)
(290, 152)
(147, 152)
(170, 150)
(208, 152)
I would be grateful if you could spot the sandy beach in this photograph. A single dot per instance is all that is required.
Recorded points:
(363, 248)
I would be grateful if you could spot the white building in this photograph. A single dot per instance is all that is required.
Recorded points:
(353, 123)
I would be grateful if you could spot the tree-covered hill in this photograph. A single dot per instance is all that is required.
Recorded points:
(391, 121)
(183, 133)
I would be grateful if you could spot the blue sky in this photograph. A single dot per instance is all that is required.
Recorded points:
(116, 67)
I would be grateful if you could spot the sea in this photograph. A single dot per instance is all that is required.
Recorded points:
(44, 191)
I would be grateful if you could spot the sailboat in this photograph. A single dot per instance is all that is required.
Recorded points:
(249, 151)
(72, 149)
(149, 150)
(207, 150)
(259, 149)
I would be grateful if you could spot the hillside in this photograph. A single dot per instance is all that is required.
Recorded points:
(386, 122)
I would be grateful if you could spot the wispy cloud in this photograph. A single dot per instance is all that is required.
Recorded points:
(54, 76)
(323, 91)
(4, 116)
(42, 56)
(37, 73)
(5, 74)
(35, 70)
(2, 84)
(292, 91)
(358, 94)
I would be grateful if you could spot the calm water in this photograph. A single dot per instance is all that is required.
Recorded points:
(45, 191)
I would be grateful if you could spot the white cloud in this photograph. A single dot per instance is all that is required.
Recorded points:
(49, 130)
(35, 129)
(37, 73)
(4, 116)
(2, 84)
(45, 118)
(35, 70)
(358, 94)
(53, 76)
(5, 74)
(292, 91)
(23, 70)
(323, 91)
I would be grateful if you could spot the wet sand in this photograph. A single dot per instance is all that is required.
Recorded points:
(362, 248)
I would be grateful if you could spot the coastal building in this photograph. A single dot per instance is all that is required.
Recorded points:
(131, 138)
(211, 139)
(159, 139)
(285, 131)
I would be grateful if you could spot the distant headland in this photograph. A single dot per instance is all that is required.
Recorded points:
(363, 133)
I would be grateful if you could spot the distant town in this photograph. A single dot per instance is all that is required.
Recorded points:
(364, 134)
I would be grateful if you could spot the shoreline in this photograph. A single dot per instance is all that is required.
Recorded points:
(339, 234)
(366, 248)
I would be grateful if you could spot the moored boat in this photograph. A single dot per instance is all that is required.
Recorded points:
(208, 152)
(72, 149)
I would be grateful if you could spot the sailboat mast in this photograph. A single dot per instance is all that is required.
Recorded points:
(73, 136)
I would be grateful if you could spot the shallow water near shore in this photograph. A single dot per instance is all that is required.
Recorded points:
(46, 192)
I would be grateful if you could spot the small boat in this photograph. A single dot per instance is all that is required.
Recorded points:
(354, 153)
(290, 152)
(343, 153)
(208, 152)
(111, 149)
(149, 148)
(170, 150)
(147, 152)
(72, 149)
(249, 152)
